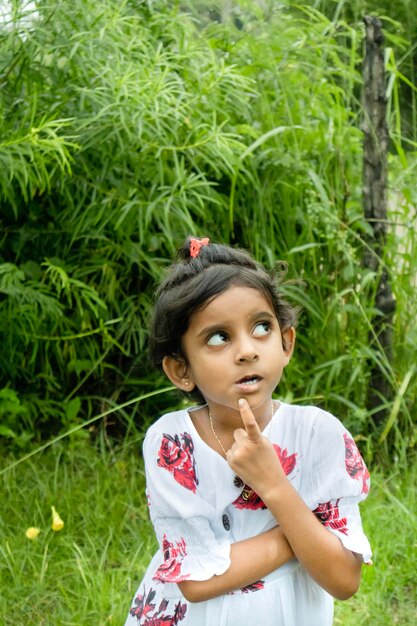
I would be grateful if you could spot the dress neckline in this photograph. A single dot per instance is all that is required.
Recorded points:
(212, 450)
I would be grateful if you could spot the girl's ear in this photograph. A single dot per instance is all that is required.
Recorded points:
(288, 342)
(177, 372)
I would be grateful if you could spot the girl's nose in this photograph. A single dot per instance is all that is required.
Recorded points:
(246, 351)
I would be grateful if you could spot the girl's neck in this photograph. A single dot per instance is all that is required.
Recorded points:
(217, 429)
(230, 419)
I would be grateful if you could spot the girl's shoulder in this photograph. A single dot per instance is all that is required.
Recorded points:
(170, 422)
(307, 419)
(304, 412)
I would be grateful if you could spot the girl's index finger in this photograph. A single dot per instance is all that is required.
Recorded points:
(251, 425)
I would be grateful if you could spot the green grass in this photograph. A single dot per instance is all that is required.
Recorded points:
(387, 594)
(87, 573)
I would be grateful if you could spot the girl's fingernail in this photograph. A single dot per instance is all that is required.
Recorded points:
(241, 402)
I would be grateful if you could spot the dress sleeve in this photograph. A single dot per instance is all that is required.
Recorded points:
(337, 479)
(180, 516)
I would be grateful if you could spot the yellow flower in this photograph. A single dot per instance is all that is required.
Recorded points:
(57, 522)
(32, 532)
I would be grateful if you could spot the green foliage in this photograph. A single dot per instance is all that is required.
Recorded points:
(128, 125)
(399, 21)
(11, 411)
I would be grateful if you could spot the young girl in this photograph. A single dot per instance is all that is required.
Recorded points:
(254, 501)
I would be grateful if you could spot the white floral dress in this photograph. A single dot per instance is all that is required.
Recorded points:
(198, 507)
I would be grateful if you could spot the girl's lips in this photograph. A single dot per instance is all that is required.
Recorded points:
(248, 384)
(248, 379)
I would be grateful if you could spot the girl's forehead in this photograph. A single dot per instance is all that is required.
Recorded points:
(236, 302)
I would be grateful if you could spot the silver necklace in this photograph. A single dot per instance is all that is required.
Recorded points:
(215, 434)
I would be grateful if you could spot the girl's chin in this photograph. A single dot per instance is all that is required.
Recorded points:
(255, 403)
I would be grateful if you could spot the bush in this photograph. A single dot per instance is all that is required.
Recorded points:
(127, 126)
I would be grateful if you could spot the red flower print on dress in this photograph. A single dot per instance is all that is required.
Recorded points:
(260, 584)
(178, 459)
(287, 461)
(144, 606)
(170, 570)
(249, 499)
(355, 466)
(328, 514)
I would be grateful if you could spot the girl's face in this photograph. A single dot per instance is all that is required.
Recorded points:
(234, 349)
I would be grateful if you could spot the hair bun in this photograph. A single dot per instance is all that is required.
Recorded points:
(200, 252)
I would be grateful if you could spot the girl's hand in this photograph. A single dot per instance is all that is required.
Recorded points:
(252, 455)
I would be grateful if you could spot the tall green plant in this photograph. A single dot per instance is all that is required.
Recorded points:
(309, 197)
(90, 217)
(134, 124)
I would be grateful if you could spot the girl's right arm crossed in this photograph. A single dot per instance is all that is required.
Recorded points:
(251, 560)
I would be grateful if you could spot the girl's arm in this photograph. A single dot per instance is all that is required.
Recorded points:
(251, 560)
(322, 554)
(324, 557)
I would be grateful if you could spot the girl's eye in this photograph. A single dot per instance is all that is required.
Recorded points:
(261, 329)
(217, 339)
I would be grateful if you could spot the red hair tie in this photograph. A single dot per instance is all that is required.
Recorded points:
(196, 245)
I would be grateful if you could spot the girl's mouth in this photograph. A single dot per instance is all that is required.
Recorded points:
(247, 381)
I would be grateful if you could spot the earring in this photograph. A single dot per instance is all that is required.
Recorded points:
(186, 384)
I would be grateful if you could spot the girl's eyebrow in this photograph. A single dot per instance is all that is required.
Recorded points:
(208, 330)
(263, 315)
(224, 325)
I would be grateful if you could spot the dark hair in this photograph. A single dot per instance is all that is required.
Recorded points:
(193, 281)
